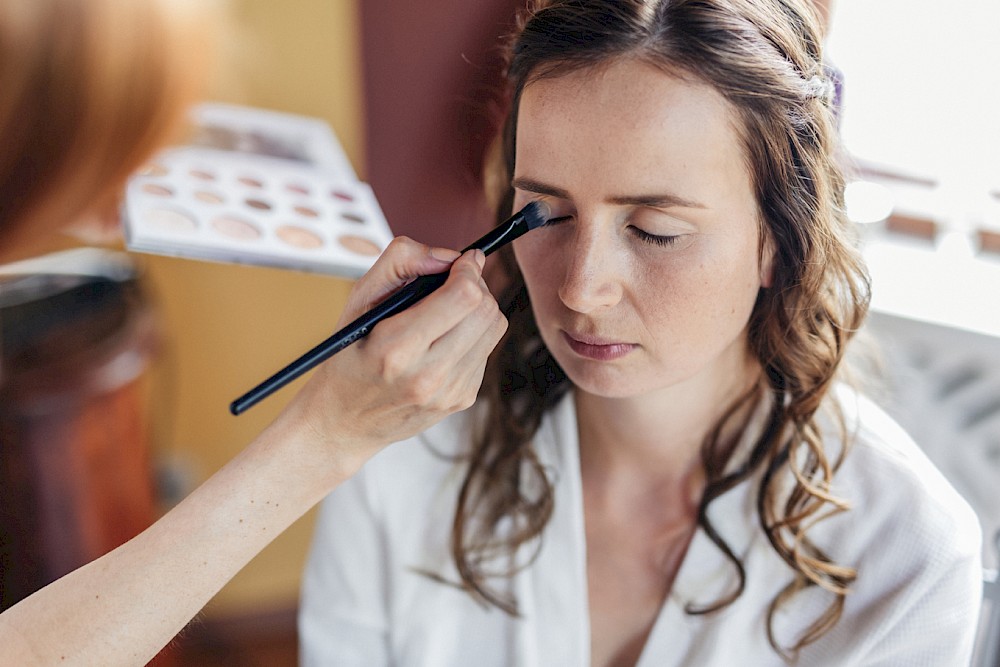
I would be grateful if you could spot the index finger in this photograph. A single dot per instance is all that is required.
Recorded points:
(432, 317)
(403, 260)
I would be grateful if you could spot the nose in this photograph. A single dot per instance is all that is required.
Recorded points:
(592, 278)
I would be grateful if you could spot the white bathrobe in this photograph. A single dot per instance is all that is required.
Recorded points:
(913, 539)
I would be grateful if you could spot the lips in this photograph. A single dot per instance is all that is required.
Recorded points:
(596, 348)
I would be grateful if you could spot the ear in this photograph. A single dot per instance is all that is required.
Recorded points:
(767, 252)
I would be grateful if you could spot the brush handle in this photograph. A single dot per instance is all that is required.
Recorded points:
(359, 328)
(530, 217)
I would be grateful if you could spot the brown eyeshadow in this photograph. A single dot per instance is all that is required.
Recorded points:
(258, 204)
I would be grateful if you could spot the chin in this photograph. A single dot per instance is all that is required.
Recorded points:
(603, 382)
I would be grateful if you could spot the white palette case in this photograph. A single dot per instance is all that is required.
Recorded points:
(257, 187)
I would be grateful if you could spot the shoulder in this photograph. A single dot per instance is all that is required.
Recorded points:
(890, 481)
(912, 539)
(906, 526)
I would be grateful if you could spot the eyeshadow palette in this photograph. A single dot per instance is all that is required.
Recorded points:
(256, 187)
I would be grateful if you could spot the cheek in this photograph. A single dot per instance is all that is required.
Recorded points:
(537, 261)
(734, 288)
(712, 289)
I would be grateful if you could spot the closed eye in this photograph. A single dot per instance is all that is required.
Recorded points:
(653, 238)
(556, 220)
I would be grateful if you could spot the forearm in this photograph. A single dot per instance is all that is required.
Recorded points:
(416, 368)
(124, 607)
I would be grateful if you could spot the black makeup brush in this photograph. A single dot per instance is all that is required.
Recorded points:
(530, 217)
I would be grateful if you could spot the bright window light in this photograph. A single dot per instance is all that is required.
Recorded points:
(922, 86)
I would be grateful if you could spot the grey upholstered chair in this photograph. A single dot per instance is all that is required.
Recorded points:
(943, 386)
(988, 644)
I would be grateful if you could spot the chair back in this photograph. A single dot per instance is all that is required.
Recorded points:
(988, 644)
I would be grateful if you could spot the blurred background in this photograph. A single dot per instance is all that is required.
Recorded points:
(410, 90)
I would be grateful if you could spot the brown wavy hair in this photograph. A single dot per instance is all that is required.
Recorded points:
(764, 57)
(90, 89)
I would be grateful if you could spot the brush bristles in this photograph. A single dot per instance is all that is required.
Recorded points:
(536, 214)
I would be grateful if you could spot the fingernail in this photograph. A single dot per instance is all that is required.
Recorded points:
(444, 254)
(480, 258)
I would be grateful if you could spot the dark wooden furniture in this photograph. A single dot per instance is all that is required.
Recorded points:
(75, 475)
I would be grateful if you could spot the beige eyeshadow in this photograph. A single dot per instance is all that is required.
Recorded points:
(299, 237)
(307, 212)
(202, 174)
(208, 197)
(154, 169)
(235, 228)
(249, 181)
(359, 245)
(297, 188)
(169, 220)
(158, 190)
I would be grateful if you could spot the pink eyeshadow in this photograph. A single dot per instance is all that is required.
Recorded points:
(235, 228)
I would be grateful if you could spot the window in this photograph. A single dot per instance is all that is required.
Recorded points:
(922, 85)
(921, 117)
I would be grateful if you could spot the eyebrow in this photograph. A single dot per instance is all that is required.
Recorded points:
(665, 200)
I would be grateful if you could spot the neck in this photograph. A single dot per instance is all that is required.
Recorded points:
(655, 440)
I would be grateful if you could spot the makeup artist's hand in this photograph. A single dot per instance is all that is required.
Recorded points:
(413, 369)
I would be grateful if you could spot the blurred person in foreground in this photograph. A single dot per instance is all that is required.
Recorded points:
(88, 90)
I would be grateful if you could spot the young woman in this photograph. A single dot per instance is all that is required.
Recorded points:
(89, 89)
(663, 467)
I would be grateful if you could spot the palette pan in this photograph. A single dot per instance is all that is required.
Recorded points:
(273, 201)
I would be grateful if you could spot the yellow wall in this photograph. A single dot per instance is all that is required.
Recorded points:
(227, 327)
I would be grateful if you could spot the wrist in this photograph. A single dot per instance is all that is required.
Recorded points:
(320, 457)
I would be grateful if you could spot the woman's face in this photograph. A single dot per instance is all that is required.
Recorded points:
(650, 282)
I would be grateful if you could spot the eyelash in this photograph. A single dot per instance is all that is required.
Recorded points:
(662, 241)
(645, 237)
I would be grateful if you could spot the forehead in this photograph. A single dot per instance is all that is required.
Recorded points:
(628, 125)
